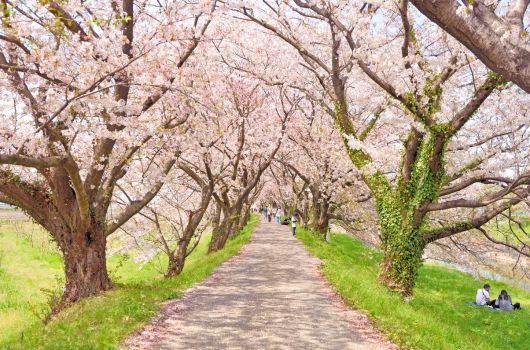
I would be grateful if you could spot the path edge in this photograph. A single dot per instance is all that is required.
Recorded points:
(169, 307)
(341, 302)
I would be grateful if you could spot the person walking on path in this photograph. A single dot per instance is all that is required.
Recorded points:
(294, 219)
(265, 212)
(278, 215)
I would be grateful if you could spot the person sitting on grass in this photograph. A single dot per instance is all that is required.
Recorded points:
(483, 296)
(504, 302)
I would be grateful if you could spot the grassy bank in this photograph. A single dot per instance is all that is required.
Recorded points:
(29, 263)
(99, 322)
(437, 317)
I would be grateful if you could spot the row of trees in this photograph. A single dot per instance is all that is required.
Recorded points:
(155, 121)
(430, 98)
(104, 104)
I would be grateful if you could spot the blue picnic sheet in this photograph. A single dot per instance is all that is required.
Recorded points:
(472, 303)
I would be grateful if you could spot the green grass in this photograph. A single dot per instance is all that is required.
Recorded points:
(100, 322)
(29, 263)
(437, 317)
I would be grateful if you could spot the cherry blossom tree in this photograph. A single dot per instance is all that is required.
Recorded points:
(322, 177)
(173, 223)
(89, 88)
(428, 97)
(250, 152)
(284, 189)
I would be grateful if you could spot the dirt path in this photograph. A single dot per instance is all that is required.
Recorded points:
(270, 296)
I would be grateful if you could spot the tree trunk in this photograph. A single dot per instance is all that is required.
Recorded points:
(403, 250)
(176, 262)
(85, 265)
(321, 219)
(401, 235)
(226, 229)
(177, 258)
(218, 242)
(246, 217)
(232, 226)
(243, 218)
(219, 236)
(304, 213)
(400, 216)
(321, 224)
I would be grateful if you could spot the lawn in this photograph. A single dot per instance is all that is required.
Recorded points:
(29, 263)
(102, 322)
(437, 317)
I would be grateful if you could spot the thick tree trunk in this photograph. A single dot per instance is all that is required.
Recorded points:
(229, 226)
(321, 224)
(218, 242)
(243, 218)
(176, 262)
(219, 236)
(246, 217)
(85, 265)
(235, 219)
(232, 227)
(400, 215)
(304, 214)
(403, 243)
(402, 259)
(321, 219)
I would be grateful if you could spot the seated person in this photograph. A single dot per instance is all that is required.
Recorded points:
(504, 302)
(483, 296)
(285, 221)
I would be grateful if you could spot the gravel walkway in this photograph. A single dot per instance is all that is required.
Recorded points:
(270, 296)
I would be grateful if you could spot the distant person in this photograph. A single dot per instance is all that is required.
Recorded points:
(294, 219)
(483, 296)
(265, 213)
(278, 215)
(269, 211)
(504, 302)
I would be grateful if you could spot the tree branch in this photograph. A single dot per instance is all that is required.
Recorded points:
(502, 243)
(134, 207)
(481, 31)
(37, 163)
(476, 179)
(434, 234)
(66, 19)
(483, 92)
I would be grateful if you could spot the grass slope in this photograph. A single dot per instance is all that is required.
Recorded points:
(28, 264)
(437, 317)
(99, 322)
